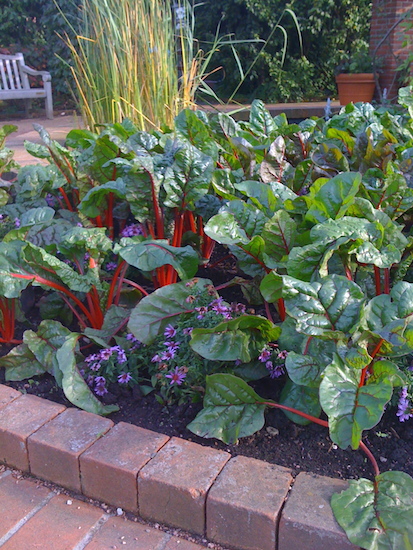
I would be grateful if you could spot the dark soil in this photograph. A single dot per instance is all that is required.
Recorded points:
(280, 441)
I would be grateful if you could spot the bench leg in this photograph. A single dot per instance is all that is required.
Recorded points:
(27, 107)
(49, 100)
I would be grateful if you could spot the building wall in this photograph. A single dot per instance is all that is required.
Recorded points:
(387, 36)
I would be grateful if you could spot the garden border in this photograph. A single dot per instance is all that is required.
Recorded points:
(238, 502)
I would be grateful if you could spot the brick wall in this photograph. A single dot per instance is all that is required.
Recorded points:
(386, 38)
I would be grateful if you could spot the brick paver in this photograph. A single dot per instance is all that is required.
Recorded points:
(57, 526)
(7, 395)
(172, 487)
(307, 520)
(18, 420)
(18, 499)
(134, 448)
(55, 448)
(244, 504)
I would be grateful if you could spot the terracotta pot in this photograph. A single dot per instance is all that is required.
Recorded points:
(355, 87)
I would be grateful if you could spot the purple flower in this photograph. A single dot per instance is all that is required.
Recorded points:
(275, 371)
(91, 357)
(238, 308)
(172, 346)
(131, 230)
(177, 376)
(95, 366)
(100, 388)
(17, 222)
(219, 307)
(167, 355)
(131, 337)
(404, 407)
(124, 378)
(50, 200)
(282, 354)
(105, 354)
(264, 356)
(188, 331)
(111, 266)
(90, 380)
(169, 331)
(120, 352)
(156, 358)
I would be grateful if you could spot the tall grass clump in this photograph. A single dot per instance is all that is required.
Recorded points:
(125, 62)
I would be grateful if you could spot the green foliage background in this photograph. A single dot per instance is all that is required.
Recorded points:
(328, 27)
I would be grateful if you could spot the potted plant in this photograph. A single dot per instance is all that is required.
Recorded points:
(355, 77)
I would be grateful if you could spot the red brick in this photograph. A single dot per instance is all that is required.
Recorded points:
(177, 543)
(117, 458)
(18, 498)
(7, 395)
(55, 448)
(18, 420)
(244, 504)
(56, 526)
(120, 533)
(172, 487)
(307, 520)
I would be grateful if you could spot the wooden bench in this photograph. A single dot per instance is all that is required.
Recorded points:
(14, 82)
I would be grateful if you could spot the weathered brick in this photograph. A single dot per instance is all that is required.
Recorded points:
(117, 458)
(172, 487)
(307, 520)
(18, 420)
(7, 395)
(19, 498)
(120, 533)
(177, 543)
(55, 448)
(244, 504)
(57, 525)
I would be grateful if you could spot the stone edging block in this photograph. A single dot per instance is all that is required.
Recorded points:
(241, 502)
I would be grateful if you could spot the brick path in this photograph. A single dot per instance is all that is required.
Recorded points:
(33, 517)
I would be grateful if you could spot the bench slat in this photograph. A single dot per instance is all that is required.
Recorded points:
(16, 72)
(3, 77)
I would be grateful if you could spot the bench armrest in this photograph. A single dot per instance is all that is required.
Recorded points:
(46, 76)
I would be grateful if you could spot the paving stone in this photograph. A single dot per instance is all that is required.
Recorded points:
(18, 420)
(307, 520)
(117, 458)
(177, 543)
(19, 498)
(244, 504)
(57, 525)
(172, 487)
(7, 395)
(120, 533)
(55, 448)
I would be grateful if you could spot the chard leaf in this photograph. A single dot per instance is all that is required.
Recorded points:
(189, 177)
(279, 235)
(332, 198)
(304, 370)
(301, 398)
(116, 318)
(154, 312)
(224, 229)
(95, 200)
(350, 408)
(149, 254)
(261, 121)
(327, 309)
(261, 195)
(231, 410)
(377, 515)
(10, 267)
(75, 388)
(241, 338)
(193, 126)
(20, 364)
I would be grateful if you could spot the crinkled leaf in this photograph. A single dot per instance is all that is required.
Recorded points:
(154, 312)
(261, 121)
(261, 195)
(279, 235)
(241, 338)
(75, 388)
(332, 198)
(231, 410)
(377, 515)
(304, 370)
(11, 263)
(350, 408)
(328, 308)
(95, 200)
(224, 229)
(35, 216)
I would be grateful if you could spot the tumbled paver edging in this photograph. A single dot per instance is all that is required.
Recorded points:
(235, 501)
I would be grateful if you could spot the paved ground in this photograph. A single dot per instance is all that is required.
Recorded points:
(34, 517)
